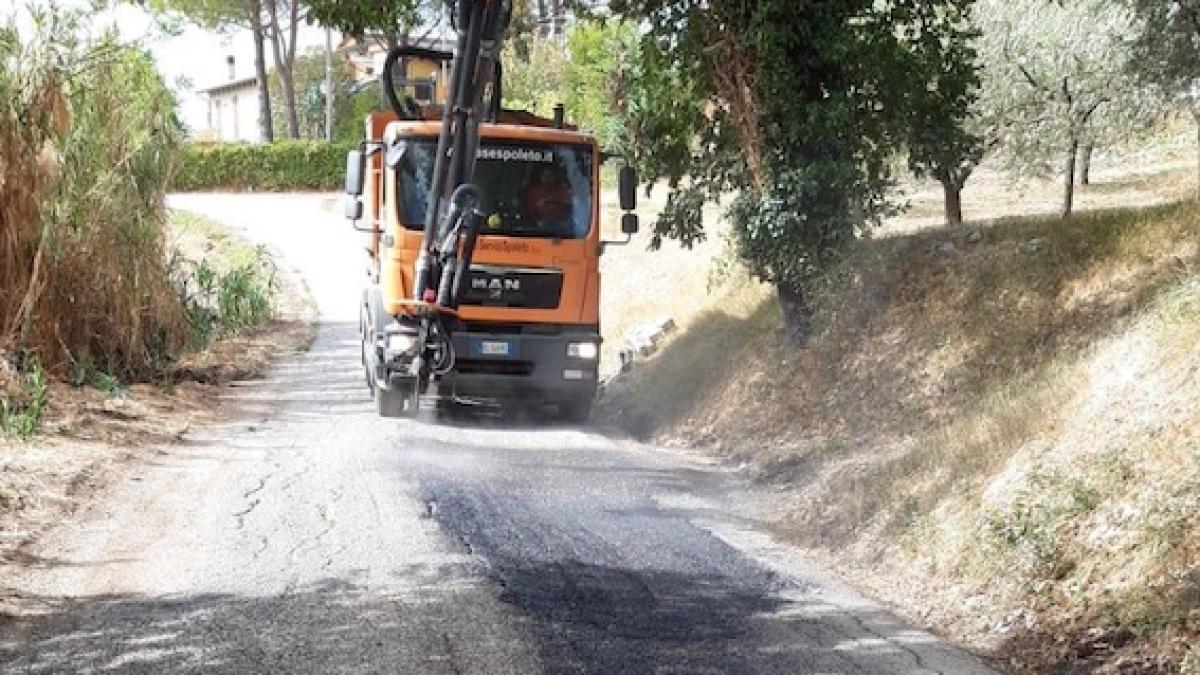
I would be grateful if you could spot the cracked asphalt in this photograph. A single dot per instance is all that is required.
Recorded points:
(306, 535)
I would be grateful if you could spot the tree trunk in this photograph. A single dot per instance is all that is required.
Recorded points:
(1085, 164)
(953, 191)
(289, 101)
(1196, 117)
(265, 126)
(285, 54)
(1069, 179)
(797, 313)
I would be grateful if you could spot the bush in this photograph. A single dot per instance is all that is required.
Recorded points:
(279, 166)
(85, 155)
(23, 398)
(219, 302)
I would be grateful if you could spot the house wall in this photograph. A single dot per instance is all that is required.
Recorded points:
(233, 115)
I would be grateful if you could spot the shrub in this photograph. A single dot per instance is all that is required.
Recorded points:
(23, 399)
(221, 302)
(88, 138)
(279, 166)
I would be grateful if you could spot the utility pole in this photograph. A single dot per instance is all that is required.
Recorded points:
(328, 85)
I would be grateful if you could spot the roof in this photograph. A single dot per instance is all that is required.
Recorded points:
(229, 86)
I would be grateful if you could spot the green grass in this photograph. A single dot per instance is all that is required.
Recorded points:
(230, 289)
(22, 408)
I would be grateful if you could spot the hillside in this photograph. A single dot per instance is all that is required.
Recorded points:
(999, 423)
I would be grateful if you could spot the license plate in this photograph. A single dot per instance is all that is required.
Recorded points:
(495, 348)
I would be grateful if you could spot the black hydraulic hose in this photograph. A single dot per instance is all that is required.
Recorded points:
(462, 225)
(497, 93)
(406, 109)
(462, 158)
(425, 268)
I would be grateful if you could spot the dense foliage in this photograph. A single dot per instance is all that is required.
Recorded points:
(88, 139)
(283, 165)
(795, 106)
(579, 72)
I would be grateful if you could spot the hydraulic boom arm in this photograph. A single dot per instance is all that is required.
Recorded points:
(455, 204)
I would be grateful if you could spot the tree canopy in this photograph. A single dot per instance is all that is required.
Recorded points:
(794, 106)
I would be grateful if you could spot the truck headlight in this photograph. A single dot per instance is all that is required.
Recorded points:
(401, 343)
(583, 350)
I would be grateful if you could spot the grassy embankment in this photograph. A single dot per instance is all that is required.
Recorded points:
(996, 427)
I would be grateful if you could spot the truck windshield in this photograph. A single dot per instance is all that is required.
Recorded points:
(532, 189)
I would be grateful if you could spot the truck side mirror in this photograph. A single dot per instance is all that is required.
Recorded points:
(629, 224)
(627, 187)
(355, 168)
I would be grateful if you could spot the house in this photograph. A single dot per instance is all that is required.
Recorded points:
(232, 110)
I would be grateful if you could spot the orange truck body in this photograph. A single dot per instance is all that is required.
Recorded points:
(394, 247)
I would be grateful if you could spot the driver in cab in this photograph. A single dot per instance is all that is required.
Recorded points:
(547, 198)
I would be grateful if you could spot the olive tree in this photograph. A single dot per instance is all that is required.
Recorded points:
(945, 137)
(1166, 51)
(1049, 69)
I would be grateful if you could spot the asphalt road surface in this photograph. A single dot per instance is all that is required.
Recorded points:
(306, 535)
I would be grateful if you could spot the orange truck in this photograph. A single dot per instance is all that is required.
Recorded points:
(483, 277)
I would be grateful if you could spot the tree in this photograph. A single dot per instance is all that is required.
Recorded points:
(535, 81)
(943, 79)
(392, 20)
(1049, 68)
(1121, 120)
(282, 25)
(590, 76)
(309, 77)
(1166, 51)
(795, 106)
(226, 14)
(582, 77)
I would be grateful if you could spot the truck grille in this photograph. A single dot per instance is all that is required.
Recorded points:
(483, 367)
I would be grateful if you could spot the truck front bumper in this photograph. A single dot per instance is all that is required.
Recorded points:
(531, 366)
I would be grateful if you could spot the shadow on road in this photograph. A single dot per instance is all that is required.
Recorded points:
(580, 619)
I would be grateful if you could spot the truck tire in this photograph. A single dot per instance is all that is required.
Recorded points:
(402, 401)
(575, 412)
(366, 365)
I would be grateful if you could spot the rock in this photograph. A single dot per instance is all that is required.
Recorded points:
(975, 236)
(946, 248)
(645, 340)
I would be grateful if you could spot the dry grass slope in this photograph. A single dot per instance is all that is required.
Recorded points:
(1006, 417)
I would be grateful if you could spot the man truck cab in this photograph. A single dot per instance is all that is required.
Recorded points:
(500, 301)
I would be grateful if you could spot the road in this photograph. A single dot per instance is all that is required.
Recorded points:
(306, 535)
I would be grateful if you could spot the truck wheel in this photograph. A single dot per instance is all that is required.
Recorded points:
(367, 368)
(575, 412)
(403, 401)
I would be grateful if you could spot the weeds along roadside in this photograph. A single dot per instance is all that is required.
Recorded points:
(88, 290)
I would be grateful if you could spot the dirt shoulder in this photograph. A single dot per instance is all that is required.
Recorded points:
(993, 428)
(92, 434)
